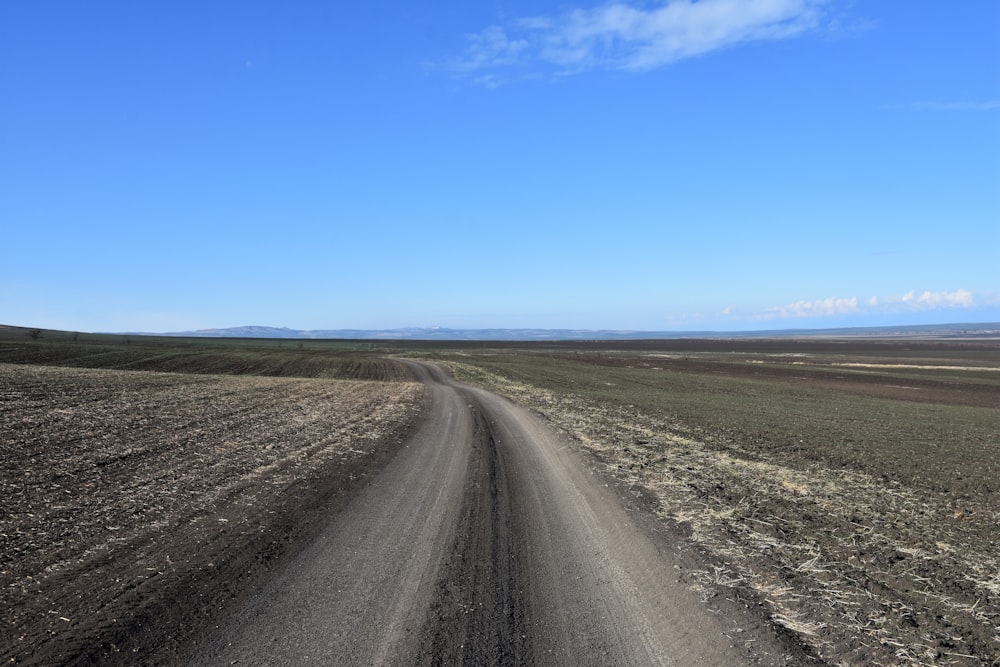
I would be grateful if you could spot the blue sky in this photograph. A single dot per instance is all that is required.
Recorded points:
(721, 164)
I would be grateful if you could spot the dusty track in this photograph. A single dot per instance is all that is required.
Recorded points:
(485, 541)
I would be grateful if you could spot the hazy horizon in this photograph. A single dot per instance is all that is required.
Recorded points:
(719, 165)
(972, 326)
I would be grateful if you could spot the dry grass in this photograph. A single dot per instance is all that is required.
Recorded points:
(862, 568)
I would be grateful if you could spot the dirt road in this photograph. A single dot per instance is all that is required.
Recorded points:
(485, 541)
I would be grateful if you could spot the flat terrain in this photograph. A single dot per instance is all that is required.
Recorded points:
(647, 502)
(136, 506)
(515, 554)
(851, 487)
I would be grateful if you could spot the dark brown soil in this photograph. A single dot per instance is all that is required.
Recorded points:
(138, 507)
(477, 614)
(847, 489)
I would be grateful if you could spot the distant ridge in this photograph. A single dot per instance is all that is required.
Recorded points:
(963, 330)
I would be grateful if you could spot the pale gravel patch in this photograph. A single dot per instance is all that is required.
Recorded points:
(916, 366)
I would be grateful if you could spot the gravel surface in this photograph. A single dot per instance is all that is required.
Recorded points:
(488, 541)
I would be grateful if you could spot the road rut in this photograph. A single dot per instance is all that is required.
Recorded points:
(486, 541)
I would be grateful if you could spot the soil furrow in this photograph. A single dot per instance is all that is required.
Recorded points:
(138, 504)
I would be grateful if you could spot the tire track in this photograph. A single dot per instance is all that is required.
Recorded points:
(477, 615)
(486, 541)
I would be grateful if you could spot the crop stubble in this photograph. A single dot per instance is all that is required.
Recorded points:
(857, 504)
(853, 495)
(137, 504)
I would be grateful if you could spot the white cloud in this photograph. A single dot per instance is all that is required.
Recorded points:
(960, 298)
(491, 48)
(911, 301)
(639, 36)
(818, 308)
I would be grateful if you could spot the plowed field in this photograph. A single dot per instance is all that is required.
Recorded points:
(844, 493)
(137, 504)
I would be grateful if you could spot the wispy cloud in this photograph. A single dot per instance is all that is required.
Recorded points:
(929, 300)
(818, 308)
(634, 36)
(909, 302)
(492, 48)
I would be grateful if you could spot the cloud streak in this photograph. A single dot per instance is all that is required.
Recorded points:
(818, 308)
(909, 302)
(929, 300)
(633, 37)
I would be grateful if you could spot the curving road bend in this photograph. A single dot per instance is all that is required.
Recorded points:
(486, 541)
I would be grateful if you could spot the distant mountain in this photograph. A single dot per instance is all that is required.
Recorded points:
(244, 332)
(971, 330)
(428, 333)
